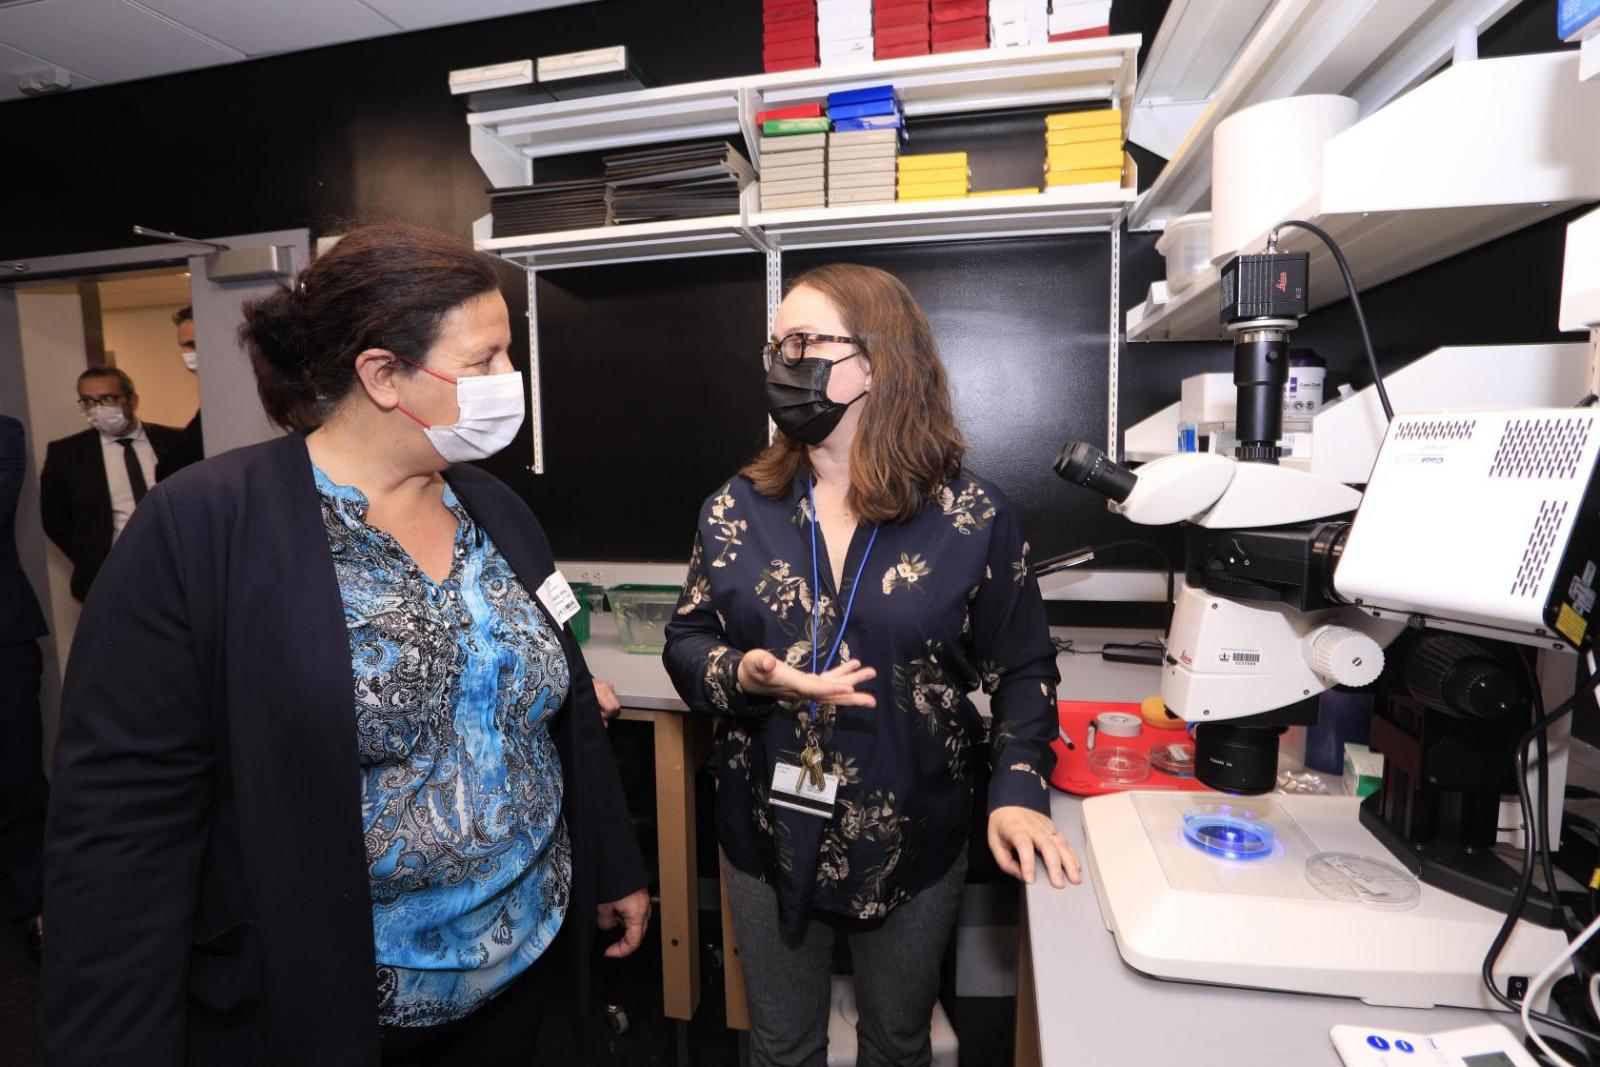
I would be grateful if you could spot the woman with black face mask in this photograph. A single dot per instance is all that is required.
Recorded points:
(846, 592)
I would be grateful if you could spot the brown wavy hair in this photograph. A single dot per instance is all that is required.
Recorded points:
(907, 445)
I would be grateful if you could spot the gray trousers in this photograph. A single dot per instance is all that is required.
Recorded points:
(787, 976)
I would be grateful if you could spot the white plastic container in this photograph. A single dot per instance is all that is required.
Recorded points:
(1186, 244)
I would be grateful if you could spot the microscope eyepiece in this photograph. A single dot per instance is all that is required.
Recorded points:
(1090, 467)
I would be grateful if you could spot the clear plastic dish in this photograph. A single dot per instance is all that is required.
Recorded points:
(1119, 765)
(1229, 832)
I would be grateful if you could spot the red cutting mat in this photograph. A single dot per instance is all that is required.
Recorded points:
(1072, 774)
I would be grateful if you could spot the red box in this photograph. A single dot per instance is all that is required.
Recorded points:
(961, 31)
(898, 51)
(791, 29)
(1081, 35)
(960, 44)
(773, 66)
(956, 10)
(894, 35)
(798, 111)
(791, 50)
(899, 16)
(881, 6)
(790, 9)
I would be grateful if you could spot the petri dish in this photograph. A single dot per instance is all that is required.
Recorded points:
(1357, 879)
(1228, 832)
(1119, 765)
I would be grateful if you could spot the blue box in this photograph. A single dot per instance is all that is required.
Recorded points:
(860, 96)
(866, 110)
(868, 122)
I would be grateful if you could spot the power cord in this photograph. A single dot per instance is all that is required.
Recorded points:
(1355, 302)
(1529, 859)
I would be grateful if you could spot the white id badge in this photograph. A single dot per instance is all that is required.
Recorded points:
(792, 788)
(558, 598)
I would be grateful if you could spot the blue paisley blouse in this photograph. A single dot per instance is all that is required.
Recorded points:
(947, 604)
(467, 852)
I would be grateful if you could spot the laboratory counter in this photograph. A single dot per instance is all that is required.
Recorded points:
(1086, 1006)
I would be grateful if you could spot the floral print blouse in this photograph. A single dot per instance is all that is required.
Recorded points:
(947, 603)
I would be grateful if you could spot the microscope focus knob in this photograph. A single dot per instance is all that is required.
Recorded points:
(1345, 656)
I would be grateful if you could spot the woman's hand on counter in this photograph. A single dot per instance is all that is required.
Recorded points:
(633, 913)
(1016, 833)
(765, 675)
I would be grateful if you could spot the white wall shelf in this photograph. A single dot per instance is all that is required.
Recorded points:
(1482, 150)
(1099, 69)
(600, 245)
(1371, 51)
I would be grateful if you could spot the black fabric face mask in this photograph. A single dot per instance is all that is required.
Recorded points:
(797, 399)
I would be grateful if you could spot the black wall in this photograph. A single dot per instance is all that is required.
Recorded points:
(651, 379)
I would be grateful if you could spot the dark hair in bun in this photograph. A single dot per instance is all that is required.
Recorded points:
(387, 286)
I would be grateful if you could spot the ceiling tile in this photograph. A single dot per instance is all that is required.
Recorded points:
(419, 14)
(13, 64)
(259, 29)
(108, 40)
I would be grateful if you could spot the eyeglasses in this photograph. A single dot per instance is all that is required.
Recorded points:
(87, 402)
(792, 348)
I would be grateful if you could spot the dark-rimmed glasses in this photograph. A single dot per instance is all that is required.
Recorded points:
(791, 349)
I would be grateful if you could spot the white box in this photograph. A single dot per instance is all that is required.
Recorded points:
(841, 28)
(1208, 398)
(1070, 18)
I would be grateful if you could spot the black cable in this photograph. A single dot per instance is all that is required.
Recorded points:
(1542, 835)
(1529, 858)
(1355, 302)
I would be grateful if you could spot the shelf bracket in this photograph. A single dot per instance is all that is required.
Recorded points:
(535, 408)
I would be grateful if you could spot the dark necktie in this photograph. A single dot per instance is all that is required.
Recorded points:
(135, 471)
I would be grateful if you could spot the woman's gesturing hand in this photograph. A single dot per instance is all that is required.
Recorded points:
(763, 674)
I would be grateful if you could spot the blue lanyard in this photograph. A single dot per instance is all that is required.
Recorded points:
(816, 592)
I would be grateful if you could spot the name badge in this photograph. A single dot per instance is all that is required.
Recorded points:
(792, 788)
(558, 598)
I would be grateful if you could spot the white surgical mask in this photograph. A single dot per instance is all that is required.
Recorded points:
(113, 421)
(190, 359)
(491, 415)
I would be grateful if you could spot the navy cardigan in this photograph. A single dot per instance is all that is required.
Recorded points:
(206, 880)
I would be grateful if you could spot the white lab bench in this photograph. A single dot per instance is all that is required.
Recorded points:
(1080, 1005)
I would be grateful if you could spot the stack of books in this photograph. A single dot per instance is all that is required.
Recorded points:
(875, 107)
(959, 25)
(1082, 147)
(934, 177)
(789, 34)
(1073, 20)
(685, 182)
(844, 29)
(793, 170)
(1016, 23)
(901, 28)
(569, 205)
(861, 167)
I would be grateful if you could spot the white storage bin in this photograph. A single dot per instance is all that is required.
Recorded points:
(1186, 244)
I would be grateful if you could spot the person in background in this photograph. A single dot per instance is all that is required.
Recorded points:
(24, 793)
(93, 480)
(191, 446)
(331, 777)
(846, 592)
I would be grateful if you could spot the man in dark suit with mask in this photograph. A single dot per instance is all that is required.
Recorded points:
(93, 480)
(23, 792)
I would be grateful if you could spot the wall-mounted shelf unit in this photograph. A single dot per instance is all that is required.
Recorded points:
(506, 142)
(1370, 51)
(1482, 150)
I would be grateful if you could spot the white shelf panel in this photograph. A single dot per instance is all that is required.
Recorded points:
(1484, 149)
(616, 120)
(1090, 208)
(676, 239)
(1370, 51)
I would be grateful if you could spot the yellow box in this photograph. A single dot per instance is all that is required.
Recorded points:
(1077, 120)
(1082, 177)
(1083, 135)
(935, 177)
(935, 161)
(933, 192)
(1032, 190)
(1084, 156)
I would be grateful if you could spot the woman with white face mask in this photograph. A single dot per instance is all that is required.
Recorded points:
(334, 778)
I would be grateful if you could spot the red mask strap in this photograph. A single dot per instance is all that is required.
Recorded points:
(424, 370)
(413, 418)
